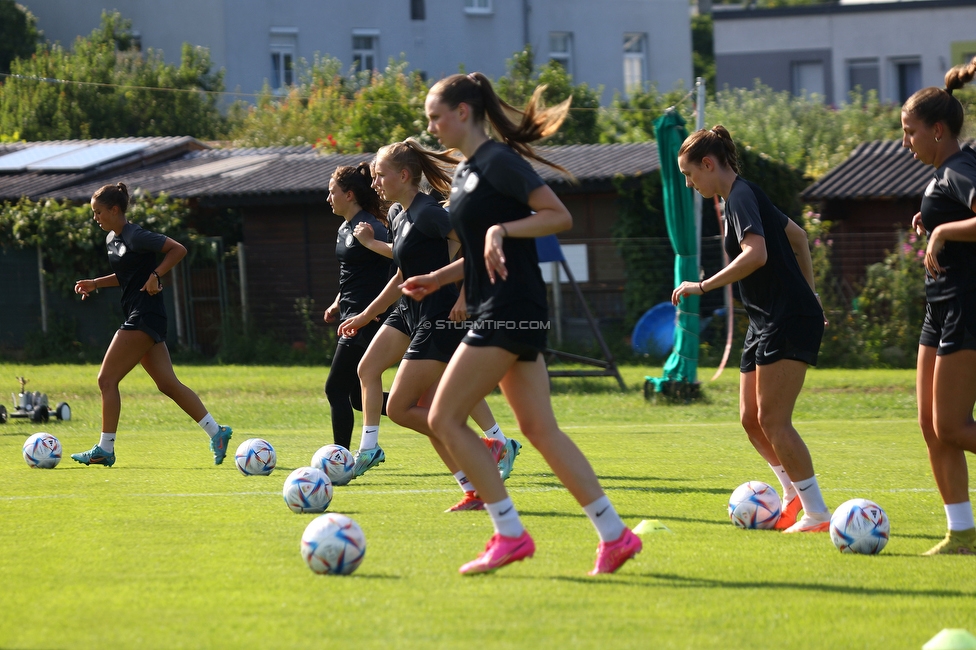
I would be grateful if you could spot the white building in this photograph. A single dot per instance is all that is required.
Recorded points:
(611, 43)
(894, 48)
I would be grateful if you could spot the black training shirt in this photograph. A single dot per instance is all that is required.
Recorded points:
(133, 256)
(777, 290)
(362, 273)
(420, 246)
(491, 187)
(949, 197)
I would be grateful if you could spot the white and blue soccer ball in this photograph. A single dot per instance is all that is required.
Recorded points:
(754, 505)
(337, 462)
(859, 526)
(333, 544)
(42, 450)
(307, 489)
(255, 457)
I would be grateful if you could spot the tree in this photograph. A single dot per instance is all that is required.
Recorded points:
(18, 33)
(703, 49)
(119, 91)
(337, 113)
(521, 80)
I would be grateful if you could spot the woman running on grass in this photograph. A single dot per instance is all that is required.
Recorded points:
(362, 275)
(946, 373)
(499, 204)
(423, 334)
(132, 254)
(771, 262)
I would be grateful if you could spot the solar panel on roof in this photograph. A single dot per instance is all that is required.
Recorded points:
(87, 157)
(19, 160)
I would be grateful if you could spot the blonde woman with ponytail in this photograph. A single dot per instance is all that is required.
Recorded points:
(499, 205)
(932, 121)
(772, 264)
(134, 255)
(422, 334)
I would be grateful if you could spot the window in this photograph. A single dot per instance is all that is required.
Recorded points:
(808, 78)
(365, 48)
(908, 78)
(561, 49)
(634, 61)
(863, 74)
(417, 10)
(477, 6)
(284, 41)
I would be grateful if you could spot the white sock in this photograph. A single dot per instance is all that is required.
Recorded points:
(505, 518)
(209, 425)
(463, 482)
(605, 519)
(371, 436)
(810, 496)
(496, 433)
(784, 479)
(107, 442)
(959, 515)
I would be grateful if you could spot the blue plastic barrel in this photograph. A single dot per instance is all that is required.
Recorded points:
(654, 332)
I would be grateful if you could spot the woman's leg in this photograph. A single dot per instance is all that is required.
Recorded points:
(749, 418)
(341, 385)
(159, 366)
(949, 433)
(414, 379)
(778, 386)
(386, 348)
(124, 352)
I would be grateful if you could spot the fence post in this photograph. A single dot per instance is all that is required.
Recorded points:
(242, 271)
(557, 302)
(40, 280)
(177, 296)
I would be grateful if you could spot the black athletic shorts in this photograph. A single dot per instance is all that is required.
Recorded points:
(950, 325)
(152, 324)
(797, 338)
(527, 343)
(434, 340)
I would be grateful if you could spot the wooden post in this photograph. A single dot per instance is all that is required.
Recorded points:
(40, 280)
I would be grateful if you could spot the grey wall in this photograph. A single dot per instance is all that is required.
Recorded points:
(238, 33)
(774, 69)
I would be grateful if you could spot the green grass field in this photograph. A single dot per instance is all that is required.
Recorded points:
(167, 551)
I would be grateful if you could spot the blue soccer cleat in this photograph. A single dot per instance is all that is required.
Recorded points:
(218, 444)
(95, 456)
(512, 449)
(368, 458)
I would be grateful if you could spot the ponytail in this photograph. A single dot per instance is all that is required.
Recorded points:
(421, 162)
(933, 105)
(516, 128)
(715, 142)
(359, 181)
(113, 196)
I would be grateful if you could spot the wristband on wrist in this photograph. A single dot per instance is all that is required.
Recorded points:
(159, 280)
(95, 284)
(504, 229)
(701, 286)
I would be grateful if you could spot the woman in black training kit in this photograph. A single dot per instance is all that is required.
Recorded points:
(362, 276)
(132, 254)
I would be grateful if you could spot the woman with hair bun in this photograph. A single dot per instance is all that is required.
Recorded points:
(932, 120)
(363, 273)
(772, 264)
(132, 254)
(423, 334)
(499, 205)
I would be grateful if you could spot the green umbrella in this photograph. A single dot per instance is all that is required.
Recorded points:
(679, 212)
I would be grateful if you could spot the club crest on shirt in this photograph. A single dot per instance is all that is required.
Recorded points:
(350, 240)
(405, 228)
(471, 182)
(121, 249)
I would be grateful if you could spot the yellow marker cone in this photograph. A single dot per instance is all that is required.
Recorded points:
(650, 526)
(951, 639)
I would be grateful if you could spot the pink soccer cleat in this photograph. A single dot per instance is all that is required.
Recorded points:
(497, 448)
(610, 556)
(469, 502)
(500, 551)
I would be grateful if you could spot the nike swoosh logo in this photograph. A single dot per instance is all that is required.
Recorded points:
(505, 512)
(600, 514)
(804, 489)
(945, 344)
